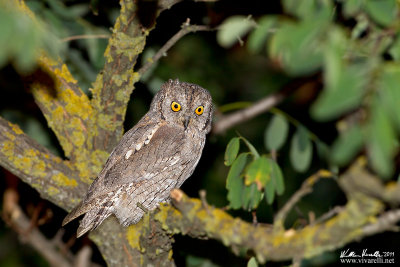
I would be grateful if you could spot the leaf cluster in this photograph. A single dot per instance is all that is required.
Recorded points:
(360, 70)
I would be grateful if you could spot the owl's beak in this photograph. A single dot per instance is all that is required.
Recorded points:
(186, 121)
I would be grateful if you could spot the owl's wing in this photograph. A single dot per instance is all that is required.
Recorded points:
(157, 154)
(141, 154)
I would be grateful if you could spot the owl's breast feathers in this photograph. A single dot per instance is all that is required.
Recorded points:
(149, 161)
(156, 152)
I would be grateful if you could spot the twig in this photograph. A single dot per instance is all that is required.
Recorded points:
(85, 36)
(386, 221)
(305, 189)
(186, 28)
(54, 250)
(15, 217)
(328, 215)
(83, 257)
(58, 242)
(203, 198)
(254, 215)
(228, 121)
(296, 262)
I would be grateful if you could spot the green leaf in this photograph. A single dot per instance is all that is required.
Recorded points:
(231, 151)
(346, 94)
(362, 25)
(155, 84)
(301, 150)
(71, 12)
(270, 192)
(252, 262)
(258, 172)
(197, 261)
(277, 177)
(251, 197)
(252, 149)
(234, 182)
(301, 8)
(28, 46)
(346, 147)
(394, 50)
(233, 29)
(351, 8)
(22, 39)
(344, 82)
(95, 46)
(322, 150)
(276, 132)
(298, 46)
(147, 55)
(383, 12)
(260, 34)
(381, 141)
(81, 68)
(389, 84)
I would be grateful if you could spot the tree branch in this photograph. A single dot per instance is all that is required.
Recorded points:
(145, 243)
(15, 218)
(305, 189)
(225, 122)
(69, 114)
(114, 85)
(66, 108)
(52, 177)
(385, 222)
(185, 29)
(85, 36)
(328, 215)
(150, 241)
(191, 218)
(87, 132)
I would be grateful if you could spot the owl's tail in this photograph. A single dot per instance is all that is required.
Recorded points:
(80, 209)
(94, 218)
(95, 215)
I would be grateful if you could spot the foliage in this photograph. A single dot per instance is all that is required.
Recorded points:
(14, 27)
(360, 71)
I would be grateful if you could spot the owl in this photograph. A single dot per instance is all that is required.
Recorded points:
(157, 155)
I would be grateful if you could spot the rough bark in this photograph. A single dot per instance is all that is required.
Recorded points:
(362, 213)
(55, 179)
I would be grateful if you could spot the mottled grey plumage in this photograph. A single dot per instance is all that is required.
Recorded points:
(158, 154)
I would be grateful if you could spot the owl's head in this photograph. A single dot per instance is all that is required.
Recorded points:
(184, 104)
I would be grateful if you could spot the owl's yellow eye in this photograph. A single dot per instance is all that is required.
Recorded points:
(199, 110)
(175, 106)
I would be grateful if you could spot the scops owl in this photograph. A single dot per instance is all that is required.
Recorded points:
(158, 154)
